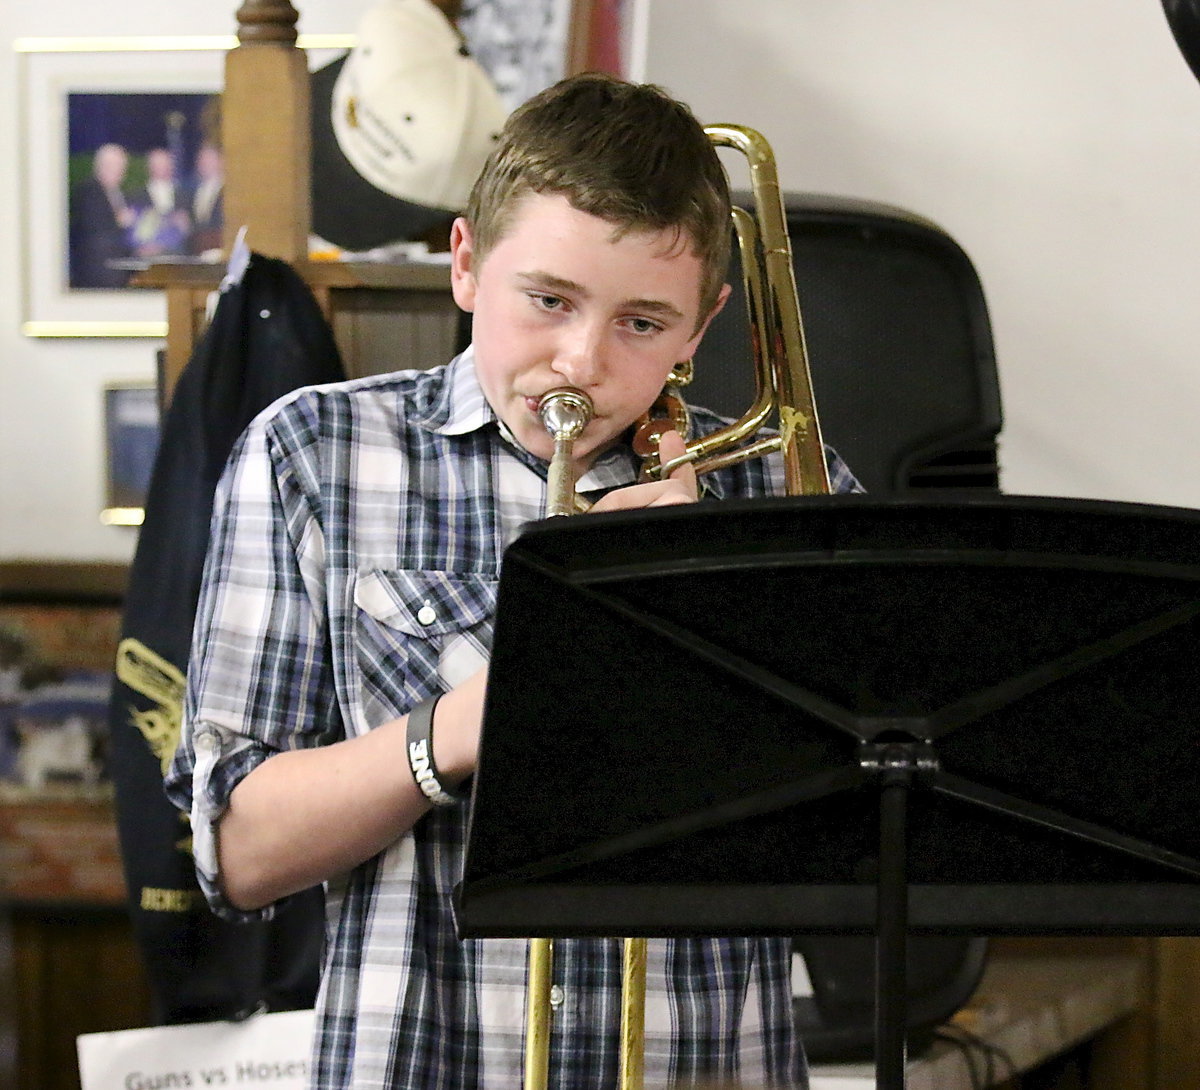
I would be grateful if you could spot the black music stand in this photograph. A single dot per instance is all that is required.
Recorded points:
(839, 714)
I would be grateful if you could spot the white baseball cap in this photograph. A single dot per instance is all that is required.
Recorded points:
(412, 111)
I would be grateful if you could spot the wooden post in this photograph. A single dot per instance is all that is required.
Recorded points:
(265, 133)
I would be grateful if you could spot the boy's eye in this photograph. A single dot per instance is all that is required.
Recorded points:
(547, 302)
(643, 325)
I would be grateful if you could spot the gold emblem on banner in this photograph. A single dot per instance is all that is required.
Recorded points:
(160, 682)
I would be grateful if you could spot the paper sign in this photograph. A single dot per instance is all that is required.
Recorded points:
(265, 1052)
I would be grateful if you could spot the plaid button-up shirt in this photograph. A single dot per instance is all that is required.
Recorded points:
(352, 574)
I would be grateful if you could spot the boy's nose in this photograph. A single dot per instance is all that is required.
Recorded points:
(580, 358)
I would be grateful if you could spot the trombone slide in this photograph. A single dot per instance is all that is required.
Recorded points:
(783, 383)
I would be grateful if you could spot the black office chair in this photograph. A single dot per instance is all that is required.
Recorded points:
(899, 344)
(837, 1022)
(904, 374)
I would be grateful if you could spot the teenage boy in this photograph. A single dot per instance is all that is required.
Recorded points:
(349, 597)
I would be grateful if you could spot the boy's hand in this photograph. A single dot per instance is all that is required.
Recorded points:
(680, 487)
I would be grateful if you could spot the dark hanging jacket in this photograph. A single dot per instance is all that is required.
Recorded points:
(267, 337)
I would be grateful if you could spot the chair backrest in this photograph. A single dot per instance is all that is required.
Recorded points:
(837, 1023)
(899, 344)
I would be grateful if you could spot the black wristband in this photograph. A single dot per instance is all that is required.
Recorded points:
(420, 756)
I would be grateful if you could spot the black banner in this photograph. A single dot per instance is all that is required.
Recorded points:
(267, 337)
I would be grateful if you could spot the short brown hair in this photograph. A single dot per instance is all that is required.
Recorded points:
(628, 153)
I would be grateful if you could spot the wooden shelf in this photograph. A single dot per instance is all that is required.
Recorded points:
(384, 316)
(62, 583)
(401, 276)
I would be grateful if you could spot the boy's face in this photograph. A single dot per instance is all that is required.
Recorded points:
(559, 302)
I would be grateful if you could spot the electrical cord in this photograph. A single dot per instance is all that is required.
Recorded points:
(979, 1081)
(992, 1054)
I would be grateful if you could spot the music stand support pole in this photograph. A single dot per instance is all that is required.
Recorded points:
(896, 766)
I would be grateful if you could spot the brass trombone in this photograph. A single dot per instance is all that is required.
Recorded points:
(783, 386)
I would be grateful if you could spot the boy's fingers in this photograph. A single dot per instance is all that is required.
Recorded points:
(680, 487)
(637, 496)
(672, 446)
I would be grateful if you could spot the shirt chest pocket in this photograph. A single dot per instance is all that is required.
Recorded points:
(418, 632)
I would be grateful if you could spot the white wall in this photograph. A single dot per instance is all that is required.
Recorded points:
(1057, 140)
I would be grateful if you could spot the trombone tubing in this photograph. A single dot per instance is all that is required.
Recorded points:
(565, 412)
(773, 287)
(539, 1014)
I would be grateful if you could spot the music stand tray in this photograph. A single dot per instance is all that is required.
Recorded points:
(843, 714)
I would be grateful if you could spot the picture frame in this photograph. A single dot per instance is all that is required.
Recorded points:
(75, 96)
(132, 426)
(90, 84)
(525, 45)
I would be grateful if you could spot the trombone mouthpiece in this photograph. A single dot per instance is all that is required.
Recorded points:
(565, 412)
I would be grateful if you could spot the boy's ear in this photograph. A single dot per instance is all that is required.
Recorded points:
(722, 298)
(462, 264)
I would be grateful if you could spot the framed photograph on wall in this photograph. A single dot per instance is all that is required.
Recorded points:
(131, 434)
(121, 166)
(115, 138)
(526, 45)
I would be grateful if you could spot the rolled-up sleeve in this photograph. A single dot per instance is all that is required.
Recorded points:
(259, 677)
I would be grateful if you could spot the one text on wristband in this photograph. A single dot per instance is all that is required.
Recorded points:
(422, 769)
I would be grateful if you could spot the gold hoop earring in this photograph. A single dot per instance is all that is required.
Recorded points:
(681, 374)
